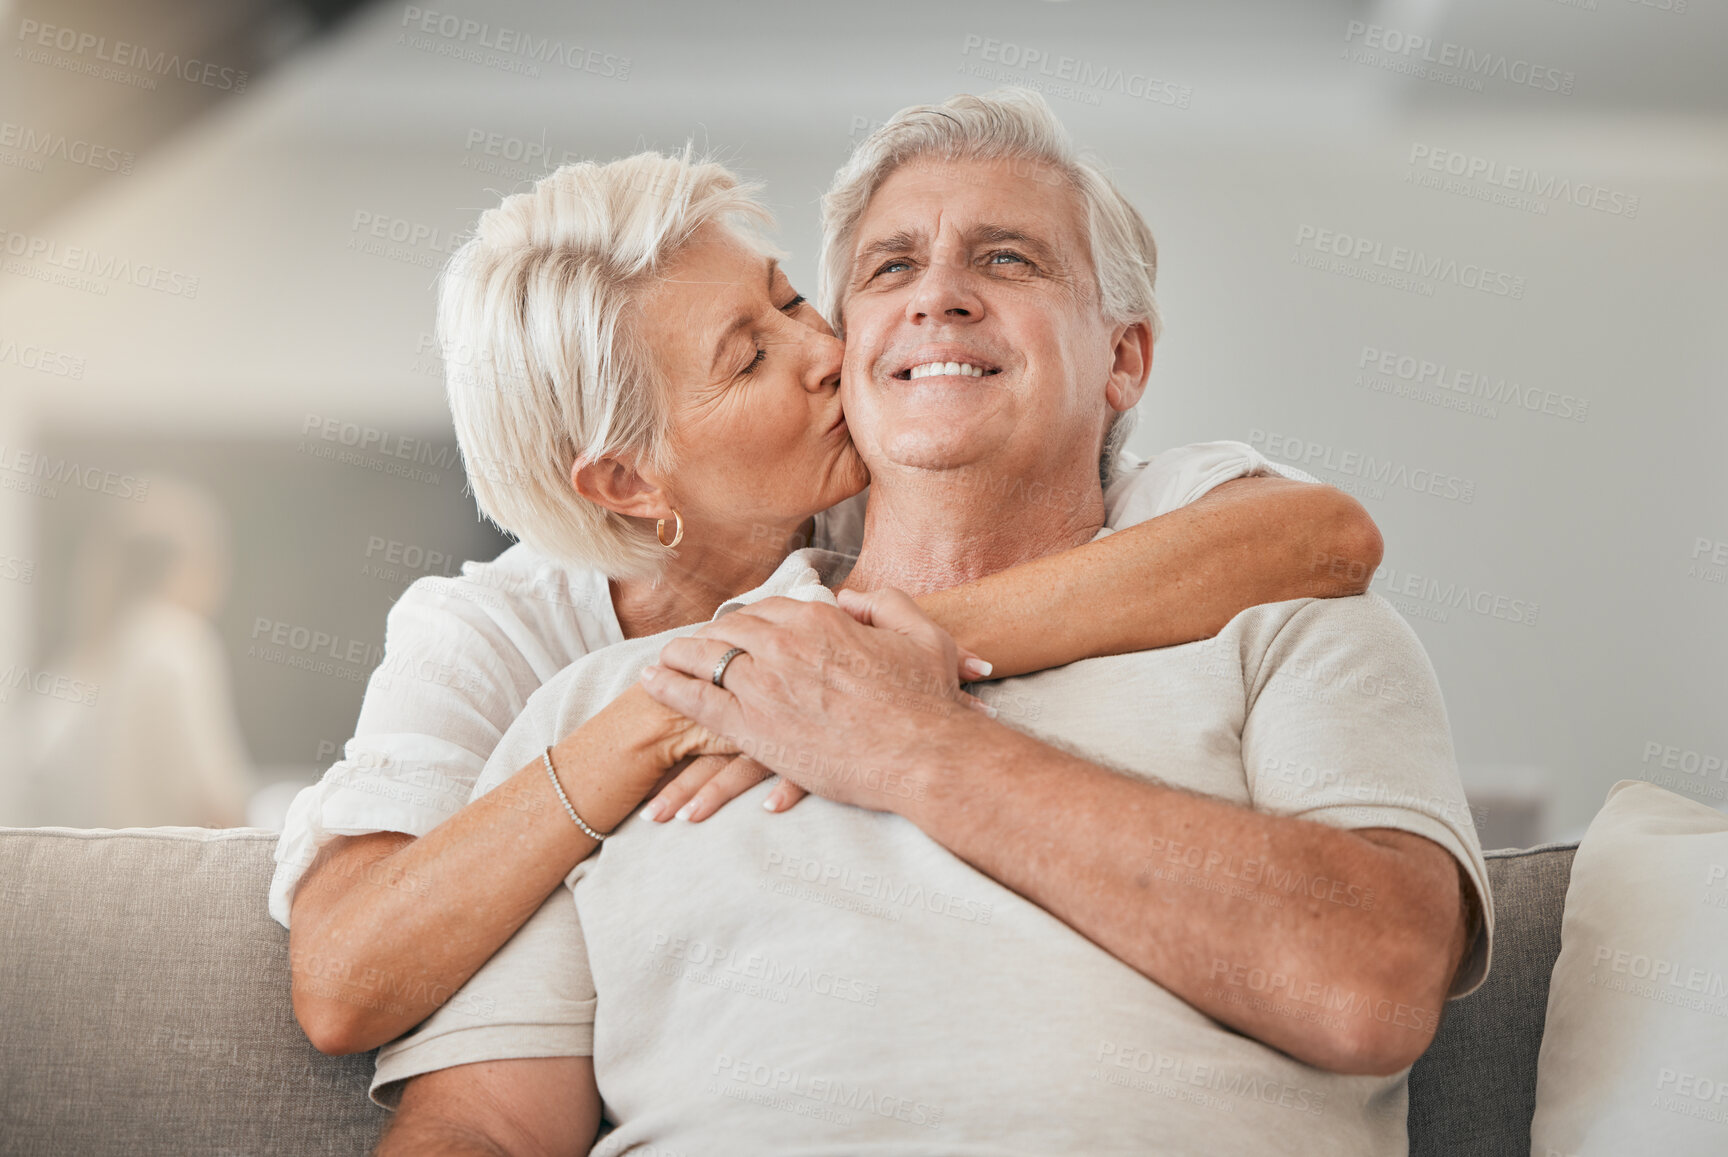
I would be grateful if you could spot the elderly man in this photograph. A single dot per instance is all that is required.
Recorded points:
(1206, 899)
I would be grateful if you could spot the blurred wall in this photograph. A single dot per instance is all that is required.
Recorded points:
(1464, 259)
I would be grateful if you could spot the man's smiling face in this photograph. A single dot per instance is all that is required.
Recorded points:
(973, 330)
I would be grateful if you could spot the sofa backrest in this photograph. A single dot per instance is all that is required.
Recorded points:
(144, 1007)
(1474, 1090)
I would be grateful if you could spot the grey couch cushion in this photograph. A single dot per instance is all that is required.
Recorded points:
(144, 1004)
(1474, 1090)
(144, 1008)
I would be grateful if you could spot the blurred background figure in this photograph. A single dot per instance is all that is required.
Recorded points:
(146, 734)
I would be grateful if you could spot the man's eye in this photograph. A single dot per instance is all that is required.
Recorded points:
(761, 356)
(998, 257)
(893, 267)
(791, 306)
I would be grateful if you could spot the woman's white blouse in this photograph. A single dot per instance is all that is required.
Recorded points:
(463, 654)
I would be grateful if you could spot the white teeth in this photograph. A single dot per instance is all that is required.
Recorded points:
(933, 369)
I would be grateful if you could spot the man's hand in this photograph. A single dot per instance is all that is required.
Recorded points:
(841, 702)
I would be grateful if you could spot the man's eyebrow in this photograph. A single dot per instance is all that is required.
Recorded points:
(903, 241)
(900, 241)
(743, 321)
(1003, 235)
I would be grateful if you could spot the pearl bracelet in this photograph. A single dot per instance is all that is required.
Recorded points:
(559, 788)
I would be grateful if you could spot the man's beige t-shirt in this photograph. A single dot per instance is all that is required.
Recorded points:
(832, 981)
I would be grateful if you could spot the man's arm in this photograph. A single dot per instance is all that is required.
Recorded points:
(1172, 579)
(1347, 988)
(1087, 844)
(540, 1107)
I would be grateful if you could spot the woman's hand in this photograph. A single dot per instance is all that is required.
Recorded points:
(709, 782)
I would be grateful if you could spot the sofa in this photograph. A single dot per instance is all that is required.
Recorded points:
(144, 1008)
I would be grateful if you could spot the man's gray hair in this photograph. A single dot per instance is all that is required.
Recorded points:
(1013, 124)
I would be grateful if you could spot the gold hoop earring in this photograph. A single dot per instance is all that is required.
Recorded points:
(677, 532)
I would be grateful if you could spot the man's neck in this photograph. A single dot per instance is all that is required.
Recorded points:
(929, 530)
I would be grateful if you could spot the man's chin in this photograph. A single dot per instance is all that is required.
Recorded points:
(926, 450)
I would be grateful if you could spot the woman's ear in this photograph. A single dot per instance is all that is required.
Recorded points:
(619, 487)
(1131, 362)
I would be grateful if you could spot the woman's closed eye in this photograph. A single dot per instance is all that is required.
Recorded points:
(762, 354)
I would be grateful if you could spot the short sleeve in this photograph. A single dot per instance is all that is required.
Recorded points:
(534, 998)
(435, 707)
(1140, 491)
(1346, 726)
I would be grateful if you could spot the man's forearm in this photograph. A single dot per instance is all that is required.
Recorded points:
(1193, 893)
(1173, 579)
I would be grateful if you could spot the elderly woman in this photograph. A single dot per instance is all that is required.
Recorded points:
(646, 403)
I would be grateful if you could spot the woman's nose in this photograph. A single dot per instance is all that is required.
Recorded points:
(827, 355)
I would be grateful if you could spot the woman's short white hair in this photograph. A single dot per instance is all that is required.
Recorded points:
(1013, 124)
(541, 364)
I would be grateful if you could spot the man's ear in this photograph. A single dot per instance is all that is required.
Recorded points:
(619, 487)
(1129, 366)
